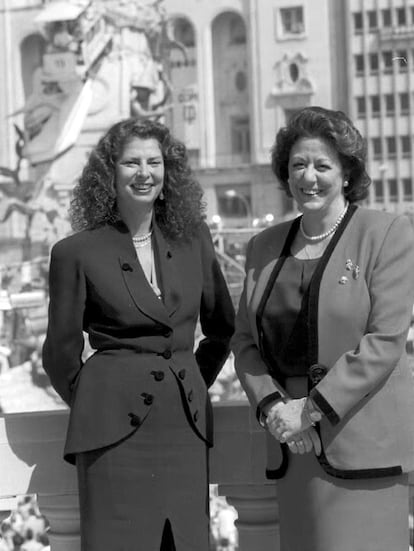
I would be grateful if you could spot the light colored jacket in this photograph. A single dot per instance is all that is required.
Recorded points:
(360, 307)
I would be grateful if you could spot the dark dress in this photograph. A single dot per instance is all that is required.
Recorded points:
(141, 421)
(319, 512)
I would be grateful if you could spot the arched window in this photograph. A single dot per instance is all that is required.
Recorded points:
(32, 49)
(184, 32)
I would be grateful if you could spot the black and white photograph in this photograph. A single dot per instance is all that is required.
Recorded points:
(207, 275)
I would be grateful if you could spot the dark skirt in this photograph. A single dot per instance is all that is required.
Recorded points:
(158, 476)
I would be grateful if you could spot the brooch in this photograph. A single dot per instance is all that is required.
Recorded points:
(350, 267)
(354, 268)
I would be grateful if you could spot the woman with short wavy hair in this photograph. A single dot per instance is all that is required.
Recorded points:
(320, 346)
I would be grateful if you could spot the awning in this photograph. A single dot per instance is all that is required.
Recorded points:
(61, 11)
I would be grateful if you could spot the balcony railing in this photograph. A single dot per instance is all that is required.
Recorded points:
(31, 462)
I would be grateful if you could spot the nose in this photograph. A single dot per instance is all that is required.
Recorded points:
(142, 170)
(310, 174)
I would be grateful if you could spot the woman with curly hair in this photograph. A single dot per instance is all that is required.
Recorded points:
(136, 277)
(320, 346)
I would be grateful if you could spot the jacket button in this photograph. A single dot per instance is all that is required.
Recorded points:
(190, 396)
(195, 416)
(148, 398)
(158, 375)
(167, 333)
(167, 354)
(182, 374)
(135, 420)
(126, 267)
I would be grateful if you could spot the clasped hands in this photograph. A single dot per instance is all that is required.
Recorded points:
(290, 423)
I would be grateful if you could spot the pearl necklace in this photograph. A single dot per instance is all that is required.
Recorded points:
(326, 234)
(142, 240)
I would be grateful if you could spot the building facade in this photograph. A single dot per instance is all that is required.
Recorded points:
(381, 95)
(252, 65)
(246, 67)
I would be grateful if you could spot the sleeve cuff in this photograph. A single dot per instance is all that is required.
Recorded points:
(324, 406)
(263, 403)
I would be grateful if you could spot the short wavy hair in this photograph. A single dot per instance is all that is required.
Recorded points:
(335, 128)
(94, 202)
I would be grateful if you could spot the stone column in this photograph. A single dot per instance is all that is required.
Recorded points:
(258, 515)
(62, 511)
(206, 98)
(7, 505)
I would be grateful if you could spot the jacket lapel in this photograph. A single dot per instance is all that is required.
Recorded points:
(270, 258)
(169, 279)
(144, 298)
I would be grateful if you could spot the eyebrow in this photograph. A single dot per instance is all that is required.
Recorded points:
(137, 158)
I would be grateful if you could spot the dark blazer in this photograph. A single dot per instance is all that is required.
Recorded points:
(359, 310)
(98, 286)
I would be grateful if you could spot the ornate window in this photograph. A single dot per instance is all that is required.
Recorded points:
(291, 22)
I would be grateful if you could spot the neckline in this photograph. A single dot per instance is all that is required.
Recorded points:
(305, 259)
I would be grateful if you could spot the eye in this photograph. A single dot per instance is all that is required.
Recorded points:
(155, 162)
(323, 166)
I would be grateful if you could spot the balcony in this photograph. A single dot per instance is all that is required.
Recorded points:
(31, 462)
(396, 34)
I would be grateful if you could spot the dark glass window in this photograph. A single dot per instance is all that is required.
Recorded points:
(404, 102)
(391, 146)
(392, 190)
(358, 22)
(375, 105)
(389, 104)
(401, 16)
(372, 19)
(405, 145)
(361, 107)
(376, 148)
(240, 137)
(407, 185)
(379, 190)
(292, 20)
(359, 64)
(386, 17)
(387, 61)
(373, 63)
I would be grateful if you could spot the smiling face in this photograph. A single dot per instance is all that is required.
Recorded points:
(139, 173)
(316, 178)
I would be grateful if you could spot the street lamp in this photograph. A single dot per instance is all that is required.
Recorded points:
(233, 194)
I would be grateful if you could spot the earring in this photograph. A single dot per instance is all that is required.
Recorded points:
(161, 196)
(346, 183)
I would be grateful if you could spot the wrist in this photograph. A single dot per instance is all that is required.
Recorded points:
(266, 409)
(311, 412)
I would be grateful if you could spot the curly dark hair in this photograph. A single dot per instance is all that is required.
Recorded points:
(335, 128)
(94, 203)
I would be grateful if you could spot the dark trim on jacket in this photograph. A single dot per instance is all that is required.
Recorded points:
(312, 318)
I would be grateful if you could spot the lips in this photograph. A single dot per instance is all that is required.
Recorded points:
(310, 192)
(141, 187)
